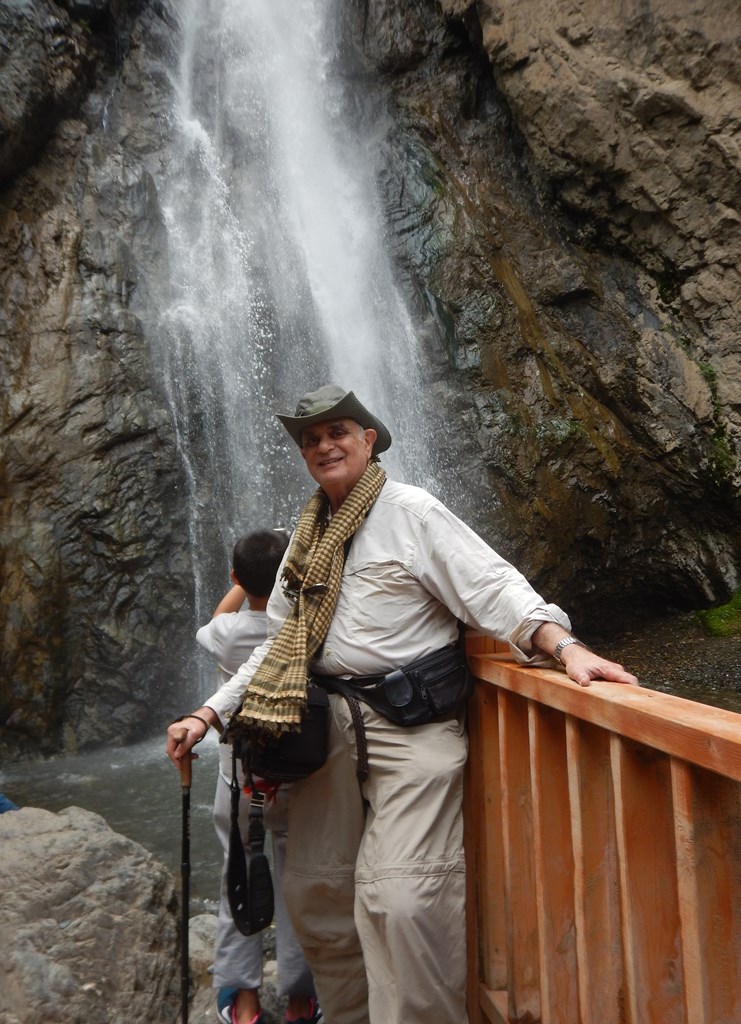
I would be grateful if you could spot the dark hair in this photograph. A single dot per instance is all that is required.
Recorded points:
(256, 558)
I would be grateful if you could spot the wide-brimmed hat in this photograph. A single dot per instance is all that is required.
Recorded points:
(332, 402)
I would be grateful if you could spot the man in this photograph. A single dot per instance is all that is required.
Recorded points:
(238, 626)
(378, 575)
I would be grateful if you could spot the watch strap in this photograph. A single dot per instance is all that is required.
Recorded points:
(562, 644)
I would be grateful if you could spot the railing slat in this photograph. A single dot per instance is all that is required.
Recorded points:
(648, 888)
(520, 909)
(554, 866)
(597, 910)
(689, 911)
(474, 825)
(714, 868)
(484, 855)
(495, 941)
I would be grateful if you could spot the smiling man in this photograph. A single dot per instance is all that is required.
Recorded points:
(336, 454)
(375, 581)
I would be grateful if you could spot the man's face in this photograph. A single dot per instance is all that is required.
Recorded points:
(336, 454)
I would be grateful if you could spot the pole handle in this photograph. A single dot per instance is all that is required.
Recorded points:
(186, 763)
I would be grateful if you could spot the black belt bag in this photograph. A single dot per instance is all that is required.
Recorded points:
(419, 692)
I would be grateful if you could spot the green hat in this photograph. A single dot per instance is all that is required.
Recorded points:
(333, 403)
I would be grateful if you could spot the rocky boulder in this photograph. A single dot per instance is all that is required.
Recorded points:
(88, 923)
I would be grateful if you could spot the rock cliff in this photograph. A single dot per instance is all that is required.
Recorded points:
(95, 565)
(561, 182)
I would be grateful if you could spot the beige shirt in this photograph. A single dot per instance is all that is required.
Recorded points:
(413, 570)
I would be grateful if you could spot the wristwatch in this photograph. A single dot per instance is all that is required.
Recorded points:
(566, 642)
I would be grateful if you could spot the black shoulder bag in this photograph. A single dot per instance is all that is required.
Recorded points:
(295, 754)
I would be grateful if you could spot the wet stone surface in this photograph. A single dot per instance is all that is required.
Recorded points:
(676, 655)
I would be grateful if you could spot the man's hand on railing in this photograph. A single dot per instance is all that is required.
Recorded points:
(581, 664)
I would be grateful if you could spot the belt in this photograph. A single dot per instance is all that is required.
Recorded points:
(326, 681)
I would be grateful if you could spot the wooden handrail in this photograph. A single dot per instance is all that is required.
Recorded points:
(603, 840)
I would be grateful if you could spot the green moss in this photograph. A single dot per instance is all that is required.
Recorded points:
(559, 430)
(711, 376)
(725, 620)
(724, 461)
(722, 458)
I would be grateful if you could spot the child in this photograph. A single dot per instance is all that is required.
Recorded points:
(231, 636)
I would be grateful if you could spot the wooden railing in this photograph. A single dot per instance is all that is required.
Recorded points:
(603, 841)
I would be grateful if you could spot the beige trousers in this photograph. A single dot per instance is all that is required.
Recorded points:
(375, 878)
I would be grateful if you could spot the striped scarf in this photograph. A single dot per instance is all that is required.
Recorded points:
(276, 694)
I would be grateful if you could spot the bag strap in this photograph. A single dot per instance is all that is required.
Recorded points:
(249, 885)
(260, 898)
(361, 741)
(344, 689)
(234, 789)
(256, 828)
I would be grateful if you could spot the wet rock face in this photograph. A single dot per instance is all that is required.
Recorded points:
(49, 56)
(562, 184)
(95, 569)
(43, 71)
(562, 191)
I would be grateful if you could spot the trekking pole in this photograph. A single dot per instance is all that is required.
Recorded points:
(186, 775)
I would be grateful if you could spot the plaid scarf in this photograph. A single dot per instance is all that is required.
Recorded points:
(276, 694)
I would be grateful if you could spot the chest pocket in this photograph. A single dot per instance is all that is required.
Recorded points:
(383, 597)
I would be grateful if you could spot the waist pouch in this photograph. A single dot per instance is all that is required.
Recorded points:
(419, 692)
(293, 755)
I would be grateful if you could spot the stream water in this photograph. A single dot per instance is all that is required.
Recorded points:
(137, 791)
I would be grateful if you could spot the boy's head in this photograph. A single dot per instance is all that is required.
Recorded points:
(256, 558)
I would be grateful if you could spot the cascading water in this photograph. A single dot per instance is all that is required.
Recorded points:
(279, 280)
(277, 283)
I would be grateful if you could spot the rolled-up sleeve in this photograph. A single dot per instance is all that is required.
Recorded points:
(480, 587)
(520, 639)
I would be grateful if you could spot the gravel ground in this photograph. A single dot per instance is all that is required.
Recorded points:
(675, 655)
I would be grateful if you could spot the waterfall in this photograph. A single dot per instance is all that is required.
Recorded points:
(279, 276)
